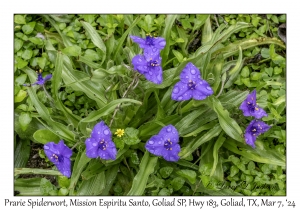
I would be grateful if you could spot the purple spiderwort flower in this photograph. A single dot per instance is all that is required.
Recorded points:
(149, 67)
(250, 107)
(100, 143)
(165, 143)
(40, 80)
(154, 44)
(191, 85)
(254, 129)
(59, 154)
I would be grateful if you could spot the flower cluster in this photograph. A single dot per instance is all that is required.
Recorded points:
(149, 64)
(256, 127)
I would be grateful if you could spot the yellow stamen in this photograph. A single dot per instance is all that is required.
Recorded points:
(120, 132)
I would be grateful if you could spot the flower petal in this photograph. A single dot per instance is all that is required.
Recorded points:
(155, 145)
(140, 41)
(64, 149)
(245, 109)
(92, 146)
(172, 155)
(101, 131)
(64, 167)
(258, 113)
(250, 139)
(169, 132)
(154, 74)
(110, 153)
(47, 77)
(140, 64)
(181, 92)
(151, 52)
(202, 90)
(159, 43)
(190, 73)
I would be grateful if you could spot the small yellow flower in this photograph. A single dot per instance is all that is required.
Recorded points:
(119, 132)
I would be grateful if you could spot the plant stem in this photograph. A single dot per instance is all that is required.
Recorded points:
(135, 79)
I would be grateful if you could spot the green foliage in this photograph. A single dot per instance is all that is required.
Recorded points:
(89, 57)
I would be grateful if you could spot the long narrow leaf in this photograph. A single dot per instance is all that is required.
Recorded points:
(122, 39)
(194, 144)
(166, 34)
(228, 124)
(140, 180)
(58, 128)
(107, 109)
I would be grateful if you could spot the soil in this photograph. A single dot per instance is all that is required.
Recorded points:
(35, 161)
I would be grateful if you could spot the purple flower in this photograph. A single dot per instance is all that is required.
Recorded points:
(250, 107)
(40, 80)
(254, 129)
(191, 85)
(165, 143)
(154, 44)
(149, 67)
(100, 143)
(59, 154)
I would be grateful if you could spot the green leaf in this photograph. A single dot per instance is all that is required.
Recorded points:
(20, 96)
(45, 136)
(166, 171)
(122, 39)
(36, 40)
(109, 108)
(110, 176)
(28, 28)
(140, 180)
(206, 32)
(93, 186)
(177, 183)
(169, 21)
(258, 155)
(18, 43)
(178, 55)
(46, 186)
(233, 48)
(216, 148)
(24, 120)
(91, 55)
(66, 40)
(63, 181)
(188, 174)
(195, 143)
(228, 124)
(61, 130)
(20, 80)
(96, 39)
(22, 153)
(234, 72)
(28, 187)
(27, 54)
(63, 191)
(19, 19)
(20, 63)
(131, 136)
(41, 61)
(80, 163)
(72, 50)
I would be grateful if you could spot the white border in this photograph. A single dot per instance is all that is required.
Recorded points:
(8, 8)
